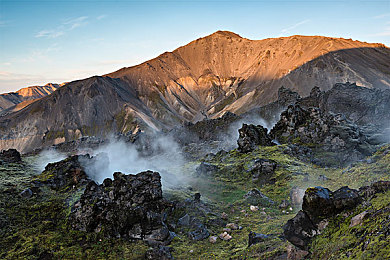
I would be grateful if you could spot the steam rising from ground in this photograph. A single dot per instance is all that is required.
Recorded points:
(231, 136)
(48, 156)
(124, 157)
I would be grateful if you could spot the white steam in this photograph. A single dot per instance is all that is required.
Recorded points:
(48, 156)
(231, 136)
(124, 157)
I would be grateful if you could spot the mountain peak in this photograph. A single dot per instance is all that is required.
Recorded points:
(226, 34)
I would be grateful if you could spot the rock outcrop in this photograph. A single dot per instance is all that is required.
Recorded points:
(328, 132)
(66, 174)
(320, 204)
(129, 206)
(10, 156)
(252, 136)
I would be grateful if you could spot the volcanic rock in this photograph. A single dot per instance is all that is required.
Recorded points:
(263, 170)
(328, 132)
(10, 156)
(130, 206)
(66, 174)
(206, 169)
(256, 197)
(255, 238)
(251, 136)
(320, 204)
(159, 252)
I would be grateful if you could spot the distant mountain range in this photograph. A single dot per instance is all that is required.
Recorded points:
(203, 79)
(21, 98)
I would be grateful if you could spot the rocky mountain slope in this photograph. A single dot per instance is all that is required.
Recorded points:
(204, 79)
(21, 98)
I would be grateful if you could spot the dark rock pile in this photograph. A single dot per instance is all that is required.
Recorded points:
(263, 170)
(10, 156)
(66, 174)
(320, 204)
(251, 136)
(130, 206)
(329, 132)
(206, 169)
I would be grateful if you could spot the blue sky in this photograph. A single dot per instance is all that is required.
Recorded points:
(58, 41)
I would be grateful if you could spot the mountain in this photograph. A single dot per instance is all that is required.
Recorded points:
(203, 79)
(25, 95)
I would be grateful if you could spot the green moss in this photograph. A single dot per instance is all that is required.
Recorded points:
(366, 241)
(51, 135)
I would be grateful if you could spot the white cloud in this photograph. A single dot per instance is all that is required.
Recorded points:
(288, 29)
(382, 16)
(49, 33)
(66, 26)
(75, 22)
(100, 17)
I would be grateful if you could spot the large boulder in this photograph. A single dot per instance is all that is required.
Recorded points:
(251, 136)
(206, 169)
(10, 156)
(130, 206)
(299, 230)
(263, 170)
(320, 204)
(66, 174)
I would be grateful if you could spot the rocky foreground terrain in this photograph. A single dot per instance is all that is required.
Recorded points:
(315, 185)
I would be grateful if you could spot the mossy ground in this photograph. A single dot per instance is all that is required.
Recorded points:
(37, 227)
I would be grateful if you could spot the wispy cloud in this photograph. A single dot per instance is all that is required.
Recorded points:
(41, 54)
(381, 16)
(288, 29)
(63, 28)
(100, 17)
(49, 33)
(76, 22)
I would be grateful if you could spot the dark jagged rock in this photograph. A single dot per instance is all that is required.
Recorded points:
(320, 204)
(286, 96)
(130, 206)
(263, 170)
(197, 197)
(251, 136)
(322, 131)
(27, 193)
(359, 104)
(66, 173)
(299, 230)
(159, 252)
(255, 238)
(380, 186)
(10, 156)
(345, 198)
(206, 169)
(256, 197)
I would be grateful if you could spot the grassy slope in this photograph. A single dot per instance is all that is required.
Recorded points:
(38, 225)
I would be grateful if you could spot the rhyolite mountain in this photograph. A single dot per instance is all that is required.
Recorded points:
(23, 97)
(203, 79)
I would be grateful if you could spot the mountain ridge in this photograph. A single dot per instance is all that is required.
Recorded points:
(204, 79)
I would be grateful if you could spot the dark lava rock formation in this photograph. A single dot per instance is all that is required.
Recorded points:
(130, 206)
(328, 132)
(320, 204)
(263, 170)
(65, 174)
(251, 136)
(10, 156)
